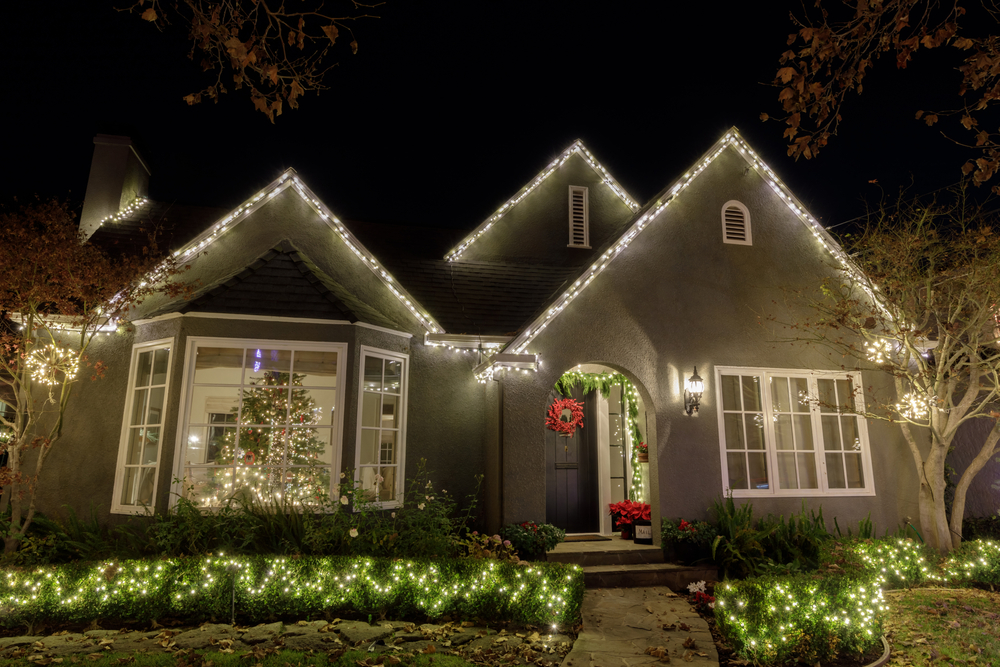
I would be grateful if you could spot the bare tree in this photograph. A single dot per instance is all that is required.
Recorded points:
(278, 49)
(921, 306)
(57, 294)
(837, 44)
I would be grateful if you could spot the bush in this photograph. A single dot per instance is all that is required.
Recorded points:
(975, 562)
(532, 539)
(687, 542)
(799, 618)
(267, 587)
(981, 528)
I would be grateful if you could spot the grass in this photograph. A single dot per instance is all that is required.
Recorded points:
(958, 626)
(256, 658)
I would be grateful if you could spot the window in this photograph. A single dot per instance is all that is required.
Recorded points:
(382, 426)
(579, 217)
(261, 421)
(736, 223)
(787, 433)
(139, 450)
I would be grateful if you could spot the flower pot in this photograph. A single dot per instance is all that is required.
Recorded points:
(643, 457)
(626, 534)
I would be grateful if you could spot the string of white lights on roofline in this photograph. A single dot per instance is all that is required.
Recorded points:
(732, 138)
(576, 147)
(125, 211)
(286, 180)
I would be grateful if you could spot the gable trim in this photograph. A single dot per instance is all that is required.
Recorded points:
(289, 179)
(576, 147)
(652, 210)
(271, 318)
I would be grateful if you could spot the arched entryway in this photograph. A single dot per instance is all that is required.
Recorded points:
(602, 462)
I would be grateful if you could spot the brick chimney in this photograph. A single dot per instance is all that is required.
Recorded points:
(118, 174)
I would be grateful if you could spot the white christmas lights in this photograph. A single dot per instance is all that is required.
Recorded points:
(125, 211)
(48, 362)
(576, 147)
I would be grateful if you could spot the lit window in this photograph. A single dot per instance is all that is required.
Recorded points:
(261, 421)
(139, 450)
(791, 433)
(382, 426)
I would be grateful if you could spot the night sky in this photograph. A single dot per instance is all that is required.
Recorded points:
(449, 107)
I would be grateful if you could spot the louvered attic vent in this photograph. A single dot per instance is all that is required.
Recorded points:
(736, 224)
(579, 218)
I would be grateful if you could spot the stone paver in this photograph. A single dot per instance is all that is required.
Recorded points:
(620, 624)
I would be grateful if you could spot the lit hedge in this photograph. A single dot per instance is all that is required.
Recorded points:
(976, 562)
(267, 587)
(814, 618)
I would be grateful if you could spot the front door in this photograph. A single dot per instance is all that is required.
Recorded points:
(571, 493)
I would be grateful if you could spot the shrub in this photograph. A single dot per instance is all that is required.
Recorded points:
(490, 548)
(532, 539)
(888, 562)
(981, 528)
(267, 587)
(975, 562)
(687, 541)
(799, 618)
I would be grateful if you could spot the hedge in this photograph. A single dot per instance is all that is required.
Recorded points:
(258, 588)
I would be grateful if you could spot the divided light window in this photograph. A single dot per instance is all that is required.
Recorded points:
(789, 433)
(736, 224)
(579, 217)
(142, 430)
(261, 421)
(382, 426)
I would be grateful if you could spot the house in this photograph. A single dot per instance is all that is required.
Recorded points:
(315, 346)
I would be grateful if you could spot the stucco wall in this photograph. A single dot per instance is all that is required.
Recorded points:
(536, 230)
(676, 298)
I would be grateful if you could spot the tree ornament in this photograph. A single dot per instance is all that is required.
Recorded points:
(555, 419)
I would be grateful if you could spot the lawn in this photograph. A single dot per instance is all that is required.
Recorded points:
(959, 626)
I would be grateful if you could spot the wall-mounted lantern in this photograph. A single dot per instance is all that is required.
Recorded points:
(693, 389)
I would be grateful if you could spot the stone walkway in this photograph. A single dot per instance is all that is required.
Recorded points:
(626, 627)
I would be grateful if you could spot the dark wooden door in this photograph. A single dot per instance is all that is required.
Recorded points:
(571, 492)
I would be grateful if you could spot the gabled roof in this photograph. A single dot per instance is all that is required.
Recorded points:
(289, 179)
(577, 148)
(649, 213)
(283, 282)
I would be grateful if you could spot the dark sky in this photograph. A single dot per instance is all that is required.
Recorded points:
(451, 106)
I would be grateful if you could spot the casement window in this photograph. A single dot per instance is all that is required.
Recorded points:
(579, 217)
(381, 444)
(788, 433)
(142, 428)
(261, 420)
(736, 223)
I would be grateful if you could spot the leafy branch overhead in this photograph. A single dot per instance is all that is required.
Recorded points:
(831, 54)
(279, 50)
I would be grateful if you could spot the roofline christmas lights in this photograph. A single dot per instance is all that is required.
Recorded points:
(576, 147)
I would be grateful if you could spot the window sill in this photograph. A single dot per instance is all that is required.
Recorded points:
(798, 493)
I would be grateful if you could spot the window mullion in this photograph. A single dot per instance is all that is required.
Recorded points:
(769, 438)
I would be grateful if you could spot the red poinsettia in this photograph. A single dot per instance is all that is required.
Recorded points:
(628, 512)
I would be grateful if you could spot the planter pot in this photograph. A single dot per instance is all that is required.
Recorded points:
(626, 531)
(644, 458)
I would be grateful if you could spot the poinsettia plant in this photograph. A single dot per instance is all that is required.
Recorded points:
(627, 512)
(642, 448)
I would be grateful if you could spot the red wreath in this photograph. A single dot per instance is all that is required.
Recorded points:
(555, 422)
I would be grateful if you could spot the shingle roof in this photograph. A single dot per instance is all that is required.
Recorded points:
(175, 225)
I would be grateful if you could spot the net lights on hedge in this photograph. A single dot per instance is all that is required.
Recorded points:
(578, 148)
(654, 209)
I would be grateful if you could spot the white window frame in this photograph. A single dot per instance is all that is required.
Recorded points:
(586, 216)
(183, 418)
(368, 351)
(732, 203)
(769, 437)
(116, 506)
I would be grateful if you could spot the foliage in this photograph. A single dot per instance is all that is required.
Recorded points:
(532, 540)
(270, 657)
(58, 291)
(977, 562)
(603, 382)
(981, 527)
(920, 307)
(280, 53)
(488, 548)
(738, 549)
(836, 46)
(799, 618)
(262, 587)
(700, 533)
(627, 512)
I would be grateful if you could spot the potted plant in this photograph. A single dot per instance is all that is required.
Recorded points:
(687, 542)
(642, 450)
(627, 512)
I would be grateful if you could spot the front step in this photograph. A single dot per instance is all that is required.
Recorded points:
(613, 552)
(675, 577)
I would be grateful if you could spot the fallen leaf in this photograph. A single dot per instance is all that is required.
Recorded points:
(689, 643)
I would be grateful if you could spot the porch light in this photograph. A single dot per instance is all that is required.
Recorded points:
(693, 389)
